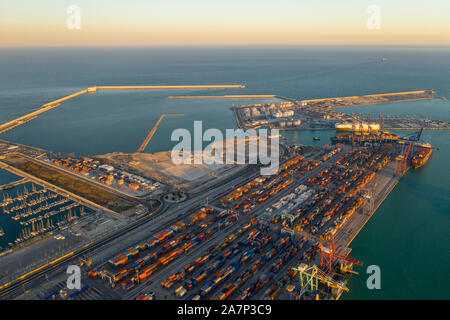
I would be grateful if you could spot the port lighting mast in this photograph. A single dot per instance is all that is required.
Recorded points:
(412, 143)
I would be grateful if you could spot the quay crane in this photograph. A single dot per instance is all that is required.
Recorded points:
(310, 277)
(152, 132)
(402, 165)
(330, 255)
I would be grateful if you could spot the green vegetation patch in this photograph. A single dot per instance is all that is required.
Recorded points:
(71, 184)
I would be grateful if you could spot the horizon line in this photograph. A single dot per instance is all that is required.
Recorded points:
(219, 45)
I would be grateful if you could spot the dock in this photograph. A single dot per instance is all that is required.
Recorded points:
(13, 184)
(383, 184)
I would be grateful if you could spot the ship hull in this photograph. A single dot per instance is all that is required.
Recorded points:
(418, 162)
(357, 127)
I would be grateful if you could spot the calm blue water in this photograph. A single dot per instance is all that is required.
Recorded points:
(407, 237)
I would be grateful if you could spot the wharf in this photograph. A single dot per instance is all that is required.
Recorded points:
(378, 189)
(13, 184)
(417, 128)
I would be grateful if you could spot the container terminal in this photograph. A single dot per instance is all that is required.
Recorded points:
(246, 236)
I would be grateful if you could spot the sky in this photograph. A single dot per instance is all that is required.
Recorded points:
(224, 22)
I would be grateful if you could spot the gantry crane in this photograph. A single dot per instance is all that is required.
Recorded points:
(152, 132)
(310, 277)
(330, 255)
(411, 144)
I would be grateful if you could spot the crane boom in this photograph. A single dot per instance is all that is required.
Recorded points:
(330, 255)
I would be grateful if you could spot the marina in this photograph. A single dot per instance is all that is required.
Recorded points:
(34, 210)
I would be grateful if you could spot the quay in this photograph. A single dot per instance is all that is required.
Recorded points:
(417, 128)
(379, 189)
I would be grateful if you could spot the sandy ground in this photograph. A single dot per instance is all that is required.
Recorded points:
(160, 167)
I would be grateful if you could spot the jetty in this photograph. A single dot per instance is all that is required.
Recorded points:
(56, 103)
(13, 184)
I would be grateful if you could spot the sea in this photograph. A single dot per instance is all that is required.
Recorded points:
(408, 237)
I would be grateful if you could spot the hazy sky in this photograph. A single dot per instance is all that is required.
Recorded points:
(217, 22)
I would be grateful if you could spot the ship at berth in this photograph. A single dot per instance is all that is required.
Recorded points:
(421, 157)
(357, 126)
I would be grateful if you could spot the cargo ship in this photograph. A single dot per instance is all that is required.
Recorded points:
(421, 157)
(357, 126)
(366, 137)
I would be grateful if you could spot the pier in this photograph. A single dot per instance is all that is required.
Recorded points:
(70, 96)
(231, 86)
(237, 96)
(371, 99)
(152, 132)
(13, 184)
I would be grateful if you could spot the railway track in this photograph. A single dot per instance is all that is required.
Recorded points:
(7, 291)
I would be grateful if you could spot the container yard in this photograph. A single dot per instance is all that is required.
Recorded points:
(260, 239)
(240, 236)
(284, 236)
